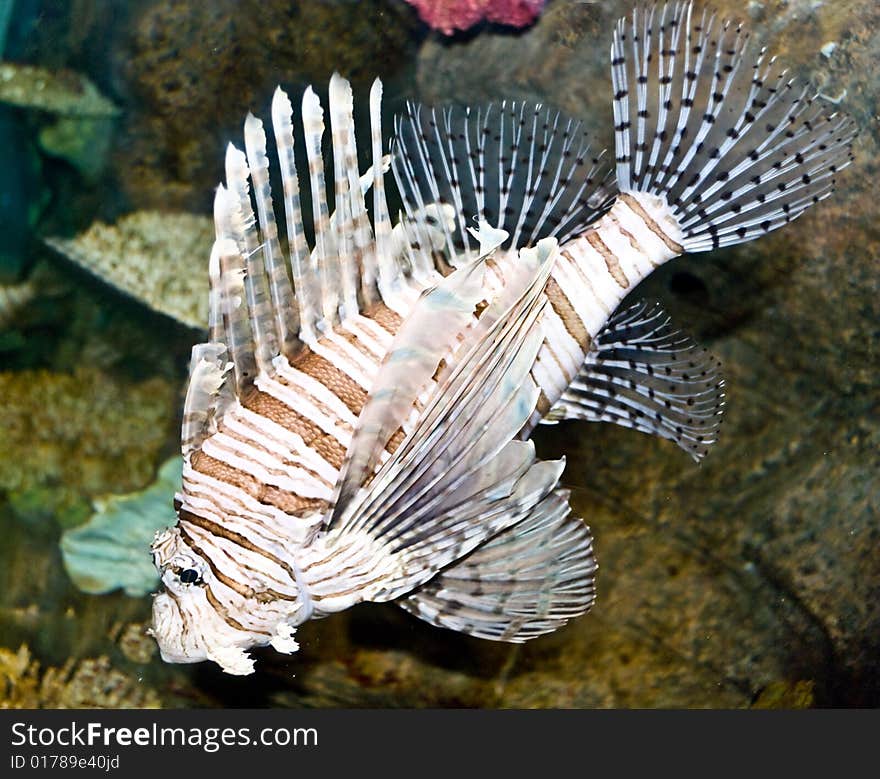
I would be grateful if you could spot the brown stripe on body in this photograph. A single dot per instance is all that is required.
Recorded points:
(546, 348)
(265, 595)
(215, 604)
(611, 261)
(633, 241)
(339, 383)
(396, 440)
(227, 618)
(637, 209)
(357, 343)
(565, 311)
(235, 538)
(268, 494)
(383, 316)
(338, 573)
(280, 413)
(543, 405)
(245, 543)
(587, 282)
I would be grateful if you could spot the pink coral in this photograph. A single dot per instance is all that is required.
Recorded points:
(450, 15)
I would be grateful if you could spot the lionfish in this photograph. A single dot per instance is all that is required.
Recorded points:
(356, 427)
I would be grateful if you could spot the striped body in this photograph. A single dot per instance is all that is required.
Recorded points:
(266, 478)
(593, 273)
(285, 441)
(356, 428)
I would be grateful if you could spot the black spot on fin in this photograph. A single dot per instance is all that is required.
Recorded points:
(520, 166)
(735, 146)
(643, 374)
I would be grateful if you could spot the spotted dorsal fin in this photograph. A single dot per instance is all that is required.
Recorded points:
(732, 144)
(518, 166)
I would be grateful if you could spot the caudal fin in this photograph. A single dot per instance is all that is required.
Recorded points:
(734, 147)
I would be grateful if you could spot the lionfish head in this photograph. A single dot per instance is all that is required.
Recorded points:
(192, 615)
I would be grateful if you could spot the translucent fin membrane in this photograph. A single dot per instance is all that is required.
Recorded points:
(202, 406)
(735, 147)
(460, 475)
(527, 581)
(644, 374)
(518, 166)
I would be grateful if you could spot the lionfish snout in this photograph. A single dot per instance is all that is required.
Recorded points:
(187, 625)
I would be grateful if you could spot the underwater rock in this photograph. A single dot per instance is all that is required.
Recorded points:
(134, 642)
(451, 15)
(84, 143)
(84, 127)
(190, 67)
(760, 567)
(159, 259)
(13, 297)
(111, 550)
(61, 92)
(383, 679)
(563, 59)
(88, 684)
(782, 695)
(68, 437)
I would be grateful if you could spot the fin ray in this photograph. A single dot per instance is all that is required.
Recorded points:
(520, 167)
(528, 580)
(643, 374)
(459, 476)
(735, 150)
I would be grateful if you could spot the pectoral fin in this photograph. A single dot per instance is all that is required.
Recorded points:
(460, 476)
(528, 580)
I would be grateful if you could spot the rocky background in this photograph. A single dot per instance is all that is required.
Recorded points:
(752, 579)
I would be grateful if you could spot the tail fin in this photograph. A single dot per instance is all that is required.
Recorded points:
(735, 149)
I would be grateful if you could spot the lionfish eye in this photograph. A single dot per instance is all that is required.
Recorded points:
(189, 576)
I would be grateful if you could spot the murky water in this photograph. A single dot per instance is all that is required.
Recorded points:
(750, 579)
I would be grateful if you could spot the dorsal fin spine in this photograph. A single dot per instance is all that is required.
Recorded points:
(216, 329)
(342, 227)
(245, 231)
(324, 253)
(305, 281)
(388, 272)
(234, 219)
(238, 335)
(518, 166)
(364, 257)
(284, 310)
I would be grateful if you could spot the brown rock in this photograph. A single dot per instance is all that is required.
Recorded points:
(197, 68)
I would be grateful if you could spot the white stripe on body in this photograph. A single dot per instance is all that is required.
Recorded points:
(582, 273)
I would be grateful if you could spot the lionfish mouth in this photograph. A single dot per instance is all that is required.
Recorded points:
(169, 638)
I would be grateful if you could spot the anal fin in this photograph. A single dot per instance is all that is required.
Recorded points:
(643, 374)
(527, 581)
